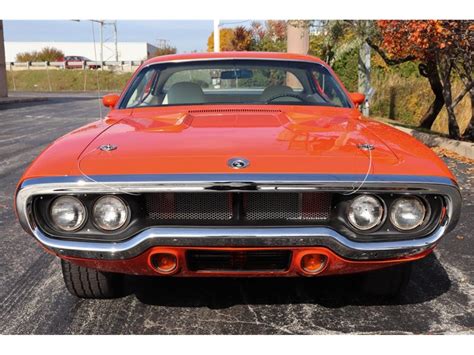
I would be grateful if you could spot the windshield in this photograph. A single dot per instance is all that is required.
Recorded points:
(235, 82)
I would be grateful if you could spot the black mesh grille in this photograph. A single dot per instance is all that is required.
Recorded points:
(238, 207)
(286, 206)
(189, 206)
(201, 260)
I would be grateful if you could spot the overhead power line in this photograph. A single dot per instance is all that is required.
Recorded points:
(234, 23)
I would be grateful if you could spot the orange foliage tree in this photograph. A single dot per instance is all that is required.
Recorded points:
(165, 50)
(237, 39)
(442, 47)
(242, 40)
(226, 36)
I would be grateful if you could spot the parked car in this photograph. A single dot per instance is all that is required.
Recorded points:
(236, 164)
(78, 62)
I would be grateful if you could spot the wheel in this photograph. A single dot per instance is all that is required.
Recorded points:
(85, 282)
(389, 282)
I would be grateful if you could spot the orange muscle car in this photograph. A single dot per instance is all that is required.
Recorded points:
(236, 164)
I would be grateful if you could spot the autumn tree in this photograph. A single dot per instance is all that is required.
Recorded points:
(442, 48)
(460, 40)
(258, 30)
(270, 36)
(242, 39)
(164, 50)
(226, 36)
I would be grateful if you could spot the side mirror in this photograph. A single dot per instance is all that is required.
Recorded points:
(110, 100)
(357, 98)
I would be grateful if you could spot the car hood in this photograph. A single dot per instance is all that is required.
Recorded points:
(322, 140)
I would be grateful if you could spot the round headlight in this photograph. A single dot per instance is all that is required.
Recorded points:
(110, 213)
(365, 212)
(68, 213)
(407, 213)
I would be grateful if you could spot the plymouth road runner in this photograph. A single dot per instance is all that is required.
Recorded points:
(236, 165)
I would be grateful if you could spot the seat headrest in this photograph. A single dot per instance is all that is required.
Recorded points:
(185, 93)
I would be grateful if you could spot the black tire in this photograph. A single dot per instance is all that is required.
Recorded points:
(85, 282)
(389, 282)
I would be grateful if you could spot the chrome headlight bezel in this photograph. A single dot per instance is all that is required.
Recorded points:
(78, 226)
(123, 220)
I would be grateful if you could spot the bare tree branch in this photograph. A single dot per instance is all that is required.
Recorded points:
(461, 95)
(389, 61)
(464, 78)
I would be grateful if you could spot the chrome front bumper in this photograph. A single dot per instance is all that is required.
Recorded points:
(237, 236)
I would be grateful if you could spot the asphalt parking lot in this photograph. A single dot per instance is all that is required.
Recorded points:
(33, 299)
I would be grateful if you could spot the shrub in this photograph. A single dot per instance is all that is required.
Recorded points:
(47, 54)
(167, 49)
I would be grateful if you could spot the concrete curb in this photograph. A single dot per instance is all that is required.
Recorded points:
(16, 100)
(465, 149)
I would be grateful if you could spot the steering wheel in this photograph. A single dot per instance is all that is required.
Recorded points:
(296, 96)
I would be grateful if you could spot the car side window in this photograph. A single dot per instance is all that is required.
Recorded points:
(328, 88)
(143, 93)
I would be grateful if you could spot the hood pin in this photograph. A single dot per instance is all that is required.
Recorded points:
(366, 146)
(107, 147)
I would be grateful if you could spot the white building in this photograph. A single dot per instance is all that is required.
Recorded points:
(126, 50)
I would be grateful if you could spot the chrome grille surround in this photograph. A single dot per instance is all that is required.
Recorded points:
(238, 236)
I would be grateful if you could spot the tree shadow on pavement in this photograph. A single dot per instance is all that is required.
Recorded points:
(429, 280)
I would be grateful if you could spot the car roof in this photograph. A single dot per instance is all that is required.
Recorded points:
(234, 55)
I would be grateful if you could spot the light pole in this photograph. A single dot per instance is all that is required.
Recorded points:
(217, 37)
(3, 69)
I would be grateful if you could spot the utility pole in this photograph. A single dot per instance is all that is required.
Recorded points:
(115, 40)
(297, 41)
(101, 45)
(103, 25)
(3, 69)
(217, 37)
(297, 37)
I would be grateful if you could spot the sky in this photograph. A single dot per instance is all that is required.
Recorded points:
(185, 35)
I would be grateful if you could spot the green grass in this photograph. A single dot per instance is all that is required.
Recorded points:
(66, 80)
